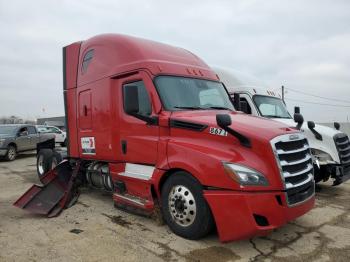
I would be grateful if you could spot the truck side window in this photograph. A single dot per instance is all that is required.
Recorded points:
(145, 107)
(86, 60)
(23, 131)
(248, 106)
(31, 130)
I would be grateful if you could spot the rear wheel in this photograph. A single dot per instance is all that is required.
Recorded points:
(11, 153)
(184, 208)
(47, 159)
(43, 161)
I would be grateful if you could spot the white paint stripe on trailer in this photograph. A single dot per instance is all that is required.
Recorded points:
(143, 172)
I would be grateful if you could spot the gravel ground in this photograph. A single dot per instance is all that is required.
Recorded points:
(93, 230)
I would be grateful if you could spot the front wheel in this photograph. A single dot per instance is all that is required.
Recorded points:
(184, 208)
(11, 153)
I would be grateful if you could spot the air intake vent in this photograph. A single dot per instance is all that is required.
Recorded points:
(187, 125)
(295, 162)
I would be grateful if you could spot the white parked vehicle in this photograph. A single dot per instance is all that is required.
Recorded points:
(60, 136)
(329, 146)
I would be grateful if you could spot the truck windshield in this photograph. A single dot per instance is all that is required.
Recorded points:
(183, 93)
(8, 130)
(272, 107)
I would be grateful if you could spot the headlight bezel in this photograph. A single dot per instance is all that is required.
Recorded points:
(244, 175)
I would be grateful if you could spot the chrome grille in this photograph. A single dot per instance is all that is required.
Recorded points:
(343, 146)
(294, 159)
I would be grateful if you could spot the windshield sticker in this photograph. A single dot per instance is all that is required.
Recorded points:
(88, 145)
(217, 131)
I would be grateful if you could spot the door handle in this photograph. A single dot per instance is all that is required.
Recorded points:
(124, 146)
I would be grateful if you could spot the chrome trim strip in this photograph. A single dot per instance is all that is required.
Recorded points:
(342, 143)
(287, 174)
(344, 149)
(290, 185)
(286, 138)
(305, 147)
(348, 154)
(286, 163)
(346, 162)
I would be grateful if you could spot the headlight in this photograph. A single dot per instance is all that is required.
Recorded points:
(244, 175)
(2, 140)
(321, 155)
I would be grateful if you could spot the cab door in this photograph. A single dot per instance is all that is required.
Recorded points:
(23, 139)
(34, 137)
(138, 140)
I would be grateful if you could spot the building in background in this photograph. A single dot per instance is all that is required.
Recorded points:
(59, 122)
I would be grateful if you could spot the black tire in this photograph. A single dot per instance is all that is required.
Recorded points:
(43, 161)
(202, 222)
(11, 153)
(47, 159)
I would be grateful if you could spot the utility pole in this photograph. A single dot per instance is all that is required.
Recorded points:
(283, 93)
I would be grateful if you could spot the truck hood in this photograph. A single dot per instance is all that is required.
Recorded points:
(323, 130)
(250, 126)
(191, 140)
(327, 144)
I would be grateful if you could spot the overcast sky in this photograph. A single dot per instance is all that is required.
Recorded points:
(304, 45)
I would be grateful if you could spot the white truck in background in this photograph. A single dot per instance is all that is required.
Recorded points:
(329, 146)
(60, 136)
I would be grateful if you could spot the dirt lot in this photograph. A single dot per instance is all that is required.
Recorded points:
(93, 230)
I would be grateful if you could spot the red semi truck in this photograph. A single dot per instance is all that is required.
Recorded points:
(153, 124)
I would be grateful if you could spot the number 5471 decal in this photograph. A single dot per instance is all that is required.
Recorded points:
(217, 131)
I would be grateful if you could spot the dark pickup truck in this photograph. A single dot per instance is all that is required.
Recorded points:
(19, 138)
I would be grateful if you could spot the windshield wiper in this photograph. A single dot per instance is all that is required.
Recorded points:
(189, 107)
(220, 108)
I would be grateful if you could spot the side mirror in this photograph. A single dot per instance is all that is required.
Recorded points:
(223, 120)
(296, 110)
(236, 101)
(244, 107)
(336, 125)
(131, 100)
(311, 126)
(299, 119)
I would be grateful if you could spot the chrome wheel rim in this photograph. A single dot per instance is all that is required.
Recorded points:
(41, 165)
(12, 153)
(182, 205)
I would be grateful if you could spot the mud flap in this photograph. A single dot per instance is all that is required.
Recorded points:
(57, 192)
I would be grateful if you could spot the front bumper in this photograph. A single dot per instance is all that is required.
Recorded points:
(241, 215)
(3, 151)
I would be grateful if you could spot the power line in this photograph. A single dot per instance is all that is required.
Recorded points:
(308, 94)
(315, 103)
